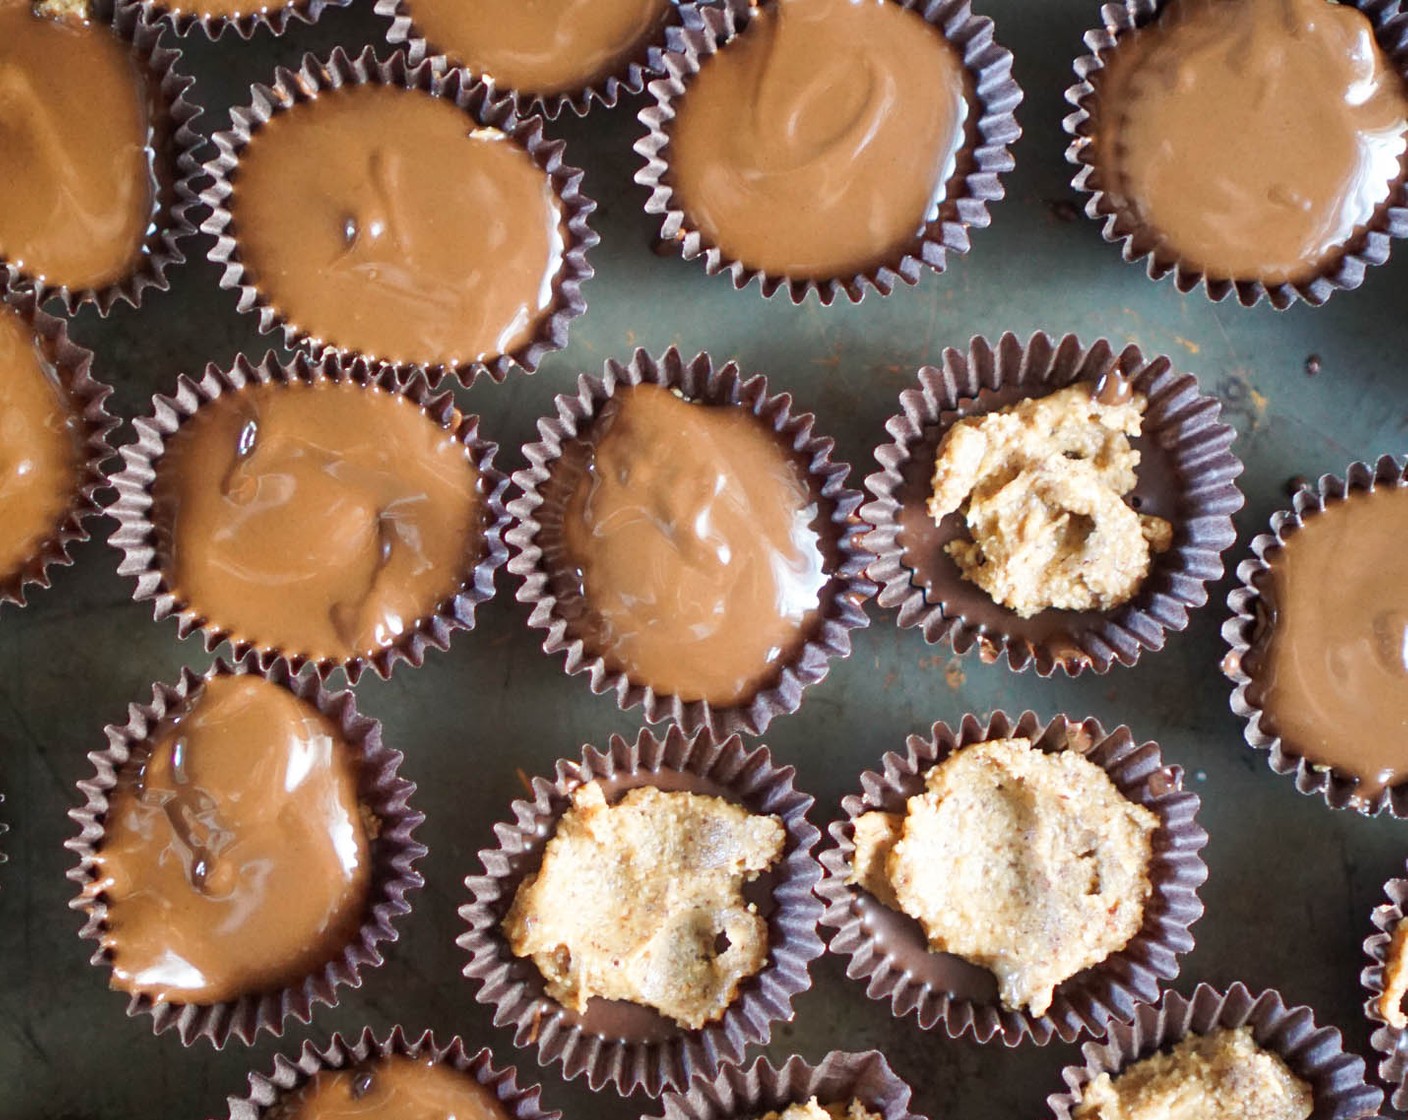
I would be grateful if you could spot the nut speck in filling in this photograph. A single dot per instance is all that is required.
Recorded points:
(1030, 864)
(643, 901)
(1395, 978)
(811, 1110)
(1041, 485)
(1224, 1075)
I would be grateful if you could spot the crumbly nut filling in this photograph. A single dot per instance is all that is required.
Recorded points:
(811, 1110)
(76, 11)
(1395, 977)
(643, 901)
(1042, 485)
(1030, 864)
(1223, 1075)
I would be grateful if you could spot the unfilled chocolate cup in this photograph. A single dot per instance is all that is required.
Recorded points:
(739, 1093)
(1387, 1040)
(275, 17)
(536, 539)
(1314, 1054)
(72, 366)
(289, 1075)
(394, 852)
(1140, 242)
(984, 158)
(1187, 475)
(487, 110)
(890, 953)
(143, 542)
(622, 1044)
(1250, 625)
(178, 174)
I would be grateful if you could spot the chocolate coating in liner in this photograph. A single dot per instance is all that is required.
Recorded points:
(392, 1088)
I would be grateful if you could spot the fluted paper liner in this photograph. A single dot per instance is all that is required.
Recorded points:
(275, 16)
(888, 950)
(1140, 241)
(535, 534)
(142, 540)
(628, 80)
(394, 852)
(749, 1094)
(984, 157)
(1187, 474)
(1387, 1041)
(485, 108)
(289, 1075)
(178, 175)
(1249, 625)
(1314, 1054)
(621, 1044)
(87, 400)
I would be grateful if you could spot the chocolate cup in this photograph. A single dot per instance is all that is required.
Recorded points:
(1314, 1054)
(629, 80)
(178, 174)
(276, 17)
(1141, 242)
(984, 157)
(737, 1093)
(143, 542)
(615, 1042)
(534, 537)
(88, 401)
(1187, 475)
(394, 852)
(1250, 624)
(480, 103)
(1387, 1041)
(267, 1090)
(889, 951)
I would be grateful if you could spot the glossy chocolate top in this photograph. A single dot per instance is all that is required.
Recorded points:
(1331, 673)
(821, 140)
(41, 445)
(1255, 138)
(236, 858)
(322, 519)
(541, 46)
(387, 222)
(394, 1088)
(76, 150)
(695, 538)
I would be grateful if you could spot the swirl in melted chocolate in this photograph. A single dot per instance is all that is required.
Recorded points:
(322, 519)
(76, 151)
(235, 859)
(695, 535)
(394, 1088)
(1253, 139)
(384, 221)
(821, 140)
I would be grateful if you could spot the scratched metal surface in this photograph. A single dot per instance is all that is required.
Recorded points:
(1291, 882)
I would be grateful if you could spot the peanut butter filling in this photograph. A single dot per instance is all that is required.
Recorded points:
(1331, 670)
(1254, 139)
(236, 857)
(387, 222)
(541, 46)
(321, 519)
(394, 1088)
(76, 152)
(1390, 1001)
(695, 534)
(813, 1110)
(41, 451)
(821, 140)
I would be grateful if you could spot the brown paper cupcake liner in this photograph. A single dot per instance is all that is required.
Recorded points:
(1314, 1054)
(394, 854)
(627, 1046)
(605, 92)
(706, 28)
(889, 951)
(143, 542)
(289, 1075)
(1250, 622)
(480, 103)
(178, 176)
(276, 17)
(841, 1077)
(1387, 1041)
(535, 539)
(1140, 242)
(73, 367)
(1187, 475)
